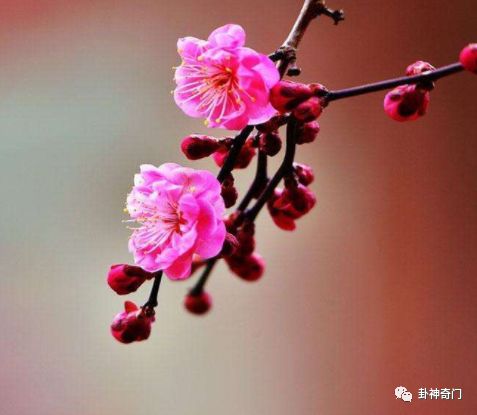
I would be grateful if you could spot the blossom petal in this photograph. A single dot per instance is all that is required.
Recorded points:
(228, 36)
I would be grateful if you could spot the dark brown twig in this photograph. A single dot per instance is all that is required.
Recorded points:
(285, 168)
(392, 83)
(152, 301)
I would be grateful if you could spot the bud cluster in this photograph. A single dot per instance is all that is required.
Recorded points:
(295, 200)
(198, 146)
(305, 102)
(242, 259)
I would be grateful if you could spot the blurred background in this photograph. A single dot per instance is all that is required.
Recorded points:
(375, 289)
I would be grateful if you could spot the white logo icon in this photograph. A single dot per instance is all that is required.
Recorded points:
(402, 393)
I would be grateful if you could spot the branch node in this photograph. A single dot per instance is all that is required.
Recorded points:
(293, 70)
(336, 15)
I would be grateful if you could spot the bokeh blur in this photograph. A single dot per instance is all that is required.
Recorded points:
(375, 289)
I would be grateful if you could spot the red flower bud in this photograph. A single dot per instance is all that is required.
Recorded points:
(229, 192)
(270, 143)
(246, 240)
(406, 103)
(304, 173)
(307, 132)
(244, 158)
(125, 279)
(230, 222)
(133, 324)
(198, 146)
(249, 268)
(468, 57)
(198, 303)
(285, 206)
(418, 68)
(230, 195)
(308, 110)
(297, 200)
(286, 95)
(230, 245)
(318, 90)
(283, 219)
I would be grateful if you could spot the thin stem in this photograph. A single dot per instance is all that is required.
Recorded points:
(199, 286)
(391, 83)
(285, 168)
(310, 10)
(307, 14)
(152, 301)
(237, 145)
(259, 181)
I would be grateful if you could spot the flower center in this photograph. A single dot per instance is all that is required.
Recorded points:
(216, 86)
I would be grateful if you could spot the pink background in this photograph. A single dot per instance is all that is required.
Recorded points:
(375, 289)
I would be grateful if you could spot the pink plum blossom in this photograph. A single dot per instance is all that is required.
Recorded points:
(179, 211)
(224, 82)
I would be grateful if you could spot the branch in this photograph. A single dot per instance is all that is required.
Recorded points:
(286, 56)
(258, 183)
(237, 145)
(199, 286)
(310, 10)
(152, 301)
(391, 83)
(285, 168)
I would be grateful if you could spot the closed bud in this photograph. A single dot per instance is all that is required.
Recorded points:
(229, 192)
(282, 218)
(308, 110)
(244, 158)
(304, 173)
(245, 239)
(406, 103)
(133, 324)
(318, 90)
(307, 132)
(230, 245)
(249, 268)
(418, 68)
(230, 222)
(286, 95)
(198, 146)
(468, 57)
(125, 279)
(296, 199)
(198, 303)
(270, 143)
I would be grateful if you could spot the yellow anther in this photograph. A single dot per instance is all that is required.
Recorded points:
(227, 69)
